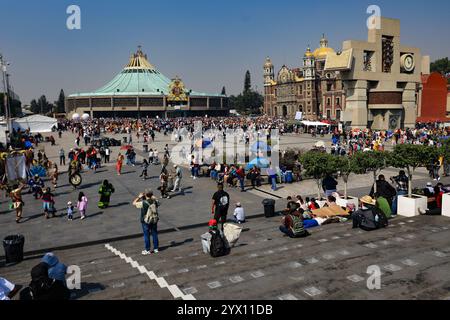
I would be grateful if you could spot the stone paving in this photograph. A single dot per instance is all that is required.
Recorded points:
(413, 254)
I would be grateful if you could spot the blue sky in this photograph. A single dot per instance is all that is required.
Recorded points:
(208, 43)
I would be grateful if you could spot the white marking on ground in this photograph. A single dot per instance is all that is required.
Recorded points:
(439, 254)
(295, 265)
(190, 290)
(344, 253)
(287, 297)
(392, 267)
(328, 256)
(409, 263)
(257, 274)
(312, 260)
(236, 279)
(312, 291)
(173, 289)
(214, 284)
(355, 278)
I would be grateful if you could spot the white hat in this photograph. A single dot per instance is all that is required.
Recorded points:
(429, 184)
(238, 204)
(69, 203)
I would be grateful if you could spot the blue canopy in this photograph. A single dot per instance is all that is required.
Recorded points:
(259, 162)
(260, 146)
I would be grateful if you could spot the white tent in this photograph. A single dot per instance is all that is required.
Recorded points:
(315, 124)
(36, 123)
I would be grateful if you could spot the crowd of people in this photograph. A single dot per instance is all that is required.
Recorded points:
(299, 216)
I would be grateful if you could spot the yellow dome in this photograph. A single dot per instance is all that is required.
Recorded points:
(322, 52)
(308, 53)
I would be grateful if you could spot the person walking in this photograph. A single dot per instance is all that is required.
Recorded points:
(178, 177)
(148, 204)
(82, 205)
(402, 182)
(107, 154)
(329, 185)
(220, 205)
(54, 176)
(62, 157)
(105, 191)
(271, 173)
(119, 164)
(48, 203)
(144, 170)
(240, 173)
(17, 202)
(163, 179)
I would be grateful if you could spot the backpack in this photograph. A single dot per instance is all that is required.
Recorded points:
(217, 247)
(370, 219)
(151, 217)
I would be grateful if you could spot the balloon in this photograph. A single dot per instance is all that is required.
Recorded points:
(75, 116)
(85, 117)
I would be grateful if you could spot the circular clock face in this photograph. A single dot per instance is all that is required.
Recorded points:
(408, 62)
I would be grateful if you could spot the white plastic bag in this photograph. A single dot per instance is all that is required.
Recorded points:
(232, 233)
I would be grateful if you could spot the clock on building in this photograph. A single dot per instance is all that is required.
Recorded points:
(407, 62)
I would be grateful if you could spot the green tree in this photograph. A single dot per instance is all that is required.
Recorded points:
(410, 157)
(44, 106)
(372, 161)
(346, 166)
(247, 82)
(61, 103)
(442, 66)
(34, 106)
(317, 165)
(15, 106)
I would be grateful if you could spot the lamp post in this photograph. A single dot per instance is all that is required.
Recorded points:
(3, 65)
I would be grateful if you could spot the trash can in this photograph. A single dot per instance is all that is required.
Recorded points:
(124, 139)
(13, 246)
(289, 177)
(269, 207)
(145, 146)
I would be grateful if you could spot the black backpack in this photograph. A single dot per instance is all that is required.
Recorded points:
(218, 247)
(370, 219)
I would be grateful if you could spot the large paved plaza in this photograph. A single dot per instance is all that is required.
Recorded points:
(414, 254)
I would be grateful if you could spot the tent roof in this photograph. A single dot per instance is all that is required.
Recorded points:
(314, 123)
(36, 118)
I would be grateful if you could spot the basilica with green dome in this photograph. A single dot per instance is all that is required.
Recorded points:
(141, 90)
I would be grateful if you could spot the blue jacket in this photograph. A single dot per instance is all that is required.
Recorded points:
(57, 270)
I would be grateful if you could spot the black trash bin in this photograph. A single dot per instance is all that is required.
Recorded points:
(145, 146)
(269, 207)
(13, 246)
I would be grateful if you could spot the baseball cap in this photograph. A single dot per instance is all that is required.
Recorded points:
(212, 223)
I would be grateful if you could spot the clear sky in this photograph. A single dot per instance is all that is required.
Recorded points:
(208, 43)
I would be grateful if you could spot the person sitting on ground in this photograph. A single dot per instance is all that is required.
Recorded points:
(291, 205)
(292, 225)
(303, 204)
(331, 201)
(429, 190)
(384, 189)
(383, 204)
(239, 215)
(313, 205)
(7, 289)
(42, 287)
(56, 270)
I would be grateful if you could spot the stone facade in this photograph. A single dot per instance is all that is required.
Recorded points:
(309, 89)
(382, 79)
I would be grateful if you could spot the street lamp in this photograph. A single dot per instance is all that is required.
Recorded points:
(3, 65)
